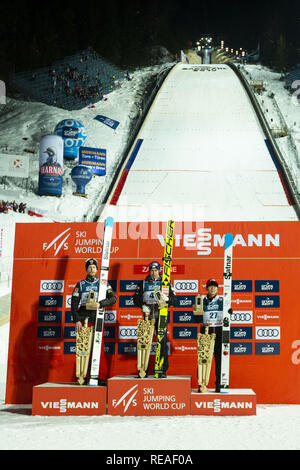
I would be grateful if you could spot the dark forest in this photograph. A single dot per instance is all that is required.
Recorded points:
(35, 34)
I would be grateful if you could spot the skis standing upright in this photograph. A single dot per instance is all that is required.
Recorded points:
(225, 356)
(163, 307)
(99, 321)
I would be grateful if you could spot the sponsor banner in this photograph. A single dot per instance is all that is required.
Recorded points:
(238, 332)
(147, 397)
(267, 349)
(46, 316)
(57, 252)
(185, 348)
(267, 332)
(266, 286)
(55, 399)
(241, 286)
(16, 166)
(44, 348)
(112, 123)
(128, 286)
(69, 332)
(244, 349)
(127, 332)
(51, 165)
(94, 158)
(241, 316)
(69, 347)
(68, 300)
(68, 316)
(125, 317)
(185, 301)
(242, 402)
(239, 301)
(184, 332)
(52, 301)
(109, 332)
(110, 316)
(49, 332)
(52, 286)
(186, 285)
(267, 317)
(183, 317)
(126, 301)
(267, 301)
(129, 348)
(109, 347)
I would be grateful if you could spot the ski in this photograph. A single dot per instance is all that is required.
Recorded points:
(99, 321)
(225, 355)
(163, 306)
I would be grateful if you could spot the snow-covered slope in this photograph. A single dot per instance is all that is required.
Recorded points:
(203, 148)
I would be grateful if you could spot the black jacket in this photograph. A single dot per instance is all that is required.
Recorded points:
(79, 314)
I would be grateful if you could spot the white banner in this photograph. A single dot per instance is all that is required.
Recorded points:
(16, 166)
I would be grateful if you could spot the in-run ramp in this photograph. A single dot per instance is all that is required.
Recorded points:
(201, 154)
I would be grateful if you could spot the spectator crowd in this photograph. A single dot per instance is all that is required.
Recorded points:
(78, 84)
(6, 206)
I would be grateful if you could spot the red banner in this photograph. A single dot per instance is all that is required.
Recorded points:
(265, 331)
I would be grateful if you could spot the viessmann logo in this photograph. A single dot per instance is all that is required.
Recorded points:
(203, 241)
(58, 243)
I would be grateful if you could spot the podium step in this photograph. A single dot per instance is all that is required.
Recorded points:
(237, 402)
(68, 399)
(133, 396)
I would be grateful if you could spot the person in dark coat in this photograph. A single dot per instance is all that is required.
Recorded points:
(79, 311)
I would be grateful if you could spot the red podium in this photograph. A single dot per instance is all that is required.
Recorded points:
(237, 402)
(132, 396)
(68, 399)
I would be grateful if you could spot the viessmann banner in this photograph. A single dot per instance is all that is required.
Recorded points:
(265, 327)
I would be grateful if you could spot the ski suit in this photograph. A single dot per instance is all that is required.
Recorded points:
(144, 295)
(213, 317)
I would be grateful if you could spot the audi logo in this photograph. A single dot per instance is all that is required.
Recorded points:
(263, 332)
(52, 286)
(109, 316)
(236, 316)
(132, 332)
(186, 286)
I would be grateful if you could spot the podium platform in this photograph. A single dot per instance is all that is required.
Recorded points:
(68, 399)
(237, 402)
(133, 396)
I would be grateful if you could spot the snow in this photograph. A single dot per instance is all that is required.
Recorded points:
(275, 427)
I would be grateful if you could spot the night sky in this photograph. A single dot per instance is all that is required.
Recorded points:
(34, 34)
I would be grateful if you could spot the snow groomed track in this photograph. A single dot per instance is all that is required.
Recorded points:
(200, 154)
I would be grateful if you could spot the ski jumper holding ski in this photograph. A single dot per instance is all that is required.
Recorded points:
(145, 299)
(79, 309)
(213, 318)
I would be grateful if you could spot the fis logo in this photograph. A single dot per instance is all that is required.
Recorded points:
(59, 242)
(127, 399)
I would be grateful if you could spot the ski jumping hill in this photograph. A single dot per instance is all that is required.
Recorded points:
(201, 153)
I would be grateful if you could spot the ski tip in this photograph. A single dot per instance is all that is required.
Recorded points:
(228, 240)
(109, 221)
